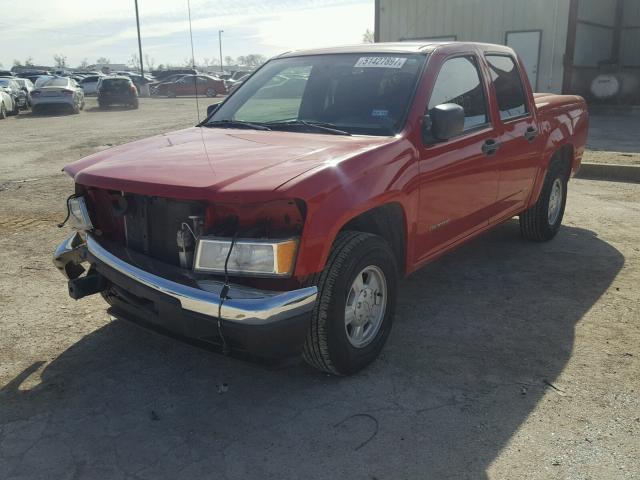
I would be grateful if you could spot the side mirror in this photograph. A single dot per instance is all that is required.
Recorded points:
(211, 109)
(444, 121)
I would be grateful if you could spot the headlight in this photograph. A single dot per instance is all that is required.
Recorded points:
(78, 214)
(272, 258)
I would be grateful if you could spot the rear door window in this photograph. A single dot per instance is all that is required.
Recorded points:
(459, 82)
(507, 83)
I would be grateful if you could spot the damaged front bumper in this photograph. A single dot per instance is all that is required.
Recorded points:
(262, 322)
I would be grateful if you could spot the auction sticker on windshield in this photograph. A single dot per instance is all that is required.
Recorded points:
(381, 62)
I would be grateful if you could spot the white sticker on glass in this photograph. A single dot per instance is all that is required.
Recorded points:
(380, 62)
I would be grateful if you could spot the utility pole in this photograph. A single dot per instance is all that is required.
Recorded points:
(220, 43)
(139, 41)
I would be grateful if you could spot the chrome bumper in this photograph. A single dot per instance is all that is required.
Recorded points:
(244, 305)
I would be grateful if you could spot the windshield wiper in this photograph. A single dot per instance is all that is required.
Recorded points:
(236, 124)
(322, 126)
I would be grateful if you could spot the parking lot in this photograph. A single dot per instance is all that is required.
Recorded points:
(508, 359)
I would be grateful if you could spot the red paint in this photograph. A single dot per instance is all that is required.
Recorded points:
(449, 192)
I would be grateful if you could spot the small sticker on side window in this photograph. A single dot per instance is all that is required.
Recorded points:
(380, 62)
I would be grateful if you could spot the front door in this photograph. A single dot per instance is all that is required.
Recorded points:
(527, 45)
(458, 177)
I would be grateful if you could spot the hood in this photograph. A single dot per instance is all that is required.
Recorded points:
(201, 163)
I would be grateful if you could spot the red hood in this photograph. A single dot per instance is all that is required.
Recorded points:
(198, 163)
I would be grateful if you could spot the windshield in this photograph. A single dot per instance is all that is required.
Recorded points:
(355, 93)
(56, 82)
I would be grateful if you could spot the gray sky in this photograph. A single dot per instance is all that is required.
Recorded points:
(106, 28)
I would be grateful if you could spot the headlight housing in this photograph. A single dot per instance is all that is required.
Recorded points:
(78, 214)
(266, 258)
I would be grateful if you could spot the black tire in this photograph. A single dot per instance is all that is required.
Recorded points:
(3, 111)
(535, 224)
(211, 93)
(171, 94)
(327, 347)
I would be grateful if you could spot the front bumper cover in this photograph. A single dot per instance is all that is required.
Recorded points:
(194, 300)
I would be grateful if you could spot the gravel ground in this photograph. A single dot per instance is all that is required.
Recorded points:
(508, 359)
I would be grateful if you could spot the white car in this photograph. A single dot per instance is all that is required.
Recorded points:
(7, 105)
(90, 84)
(58, 91)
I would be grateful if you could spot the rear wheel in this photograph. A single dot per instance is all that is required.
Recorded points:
(542, 220)
(356, 302)
(211, 93)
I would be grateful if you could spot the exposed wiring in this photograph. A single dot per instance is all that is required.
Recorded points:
(66, 219)
(224, 294)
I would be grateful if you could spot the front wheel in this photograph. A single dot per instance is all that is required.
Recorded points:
(542, 220)
(211, 93)
(356, 302)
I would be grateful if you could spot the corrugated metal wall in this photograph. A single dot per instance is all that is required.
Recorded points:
(483, 21)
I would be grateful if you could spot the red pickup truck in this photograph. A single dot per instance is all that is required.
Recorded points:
(281, 224)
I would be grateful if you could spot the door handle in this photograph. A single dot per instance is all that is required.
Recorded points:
(490, 147)
(531, 134)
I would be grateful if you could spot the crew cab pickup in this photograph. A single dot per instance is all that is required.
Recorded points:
(281, 224)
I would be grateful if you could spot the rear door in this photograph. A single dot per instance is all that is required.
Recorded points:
(517, 130)
(527, 45)
(459, 177)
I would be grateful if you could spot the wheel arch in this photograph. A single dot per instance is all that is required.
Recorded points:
(564, 152)
(387, 221)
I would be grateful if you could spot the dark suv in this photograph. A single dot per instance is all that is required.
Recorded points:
(117, 91)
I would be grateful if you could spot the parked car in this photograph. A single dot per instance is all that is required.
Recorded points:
(192, 85)
(7, 105)
(289, 230)
(236, 83)
(90, 84)
(6, 73)
(139, 81)
(153, 87)
(117, 91)
(12, 87)
(58, 91)
(164, 74)
(41, 80)
(27, 86)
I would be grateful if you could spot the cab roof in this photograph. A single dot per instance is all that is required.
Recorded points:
(420, 47)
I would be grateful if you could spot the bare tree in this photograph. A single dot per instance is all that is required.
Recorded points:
(17, 63)
(255, 59)
(229, 60)
(84, 64)
(368, 37)
(28, 62)
(103, 60)
(60, 61)
(134, 61)
(149, 62)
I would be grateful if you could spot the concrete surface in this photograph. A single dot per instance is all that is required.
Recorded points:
(610, 171)
(508, 359)
(613, 139)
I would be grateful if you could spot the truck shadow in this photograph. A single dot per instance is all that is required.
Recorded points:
(480, 336)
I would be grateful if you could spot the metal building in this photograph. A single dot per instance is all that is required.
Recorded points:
(565, 44)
